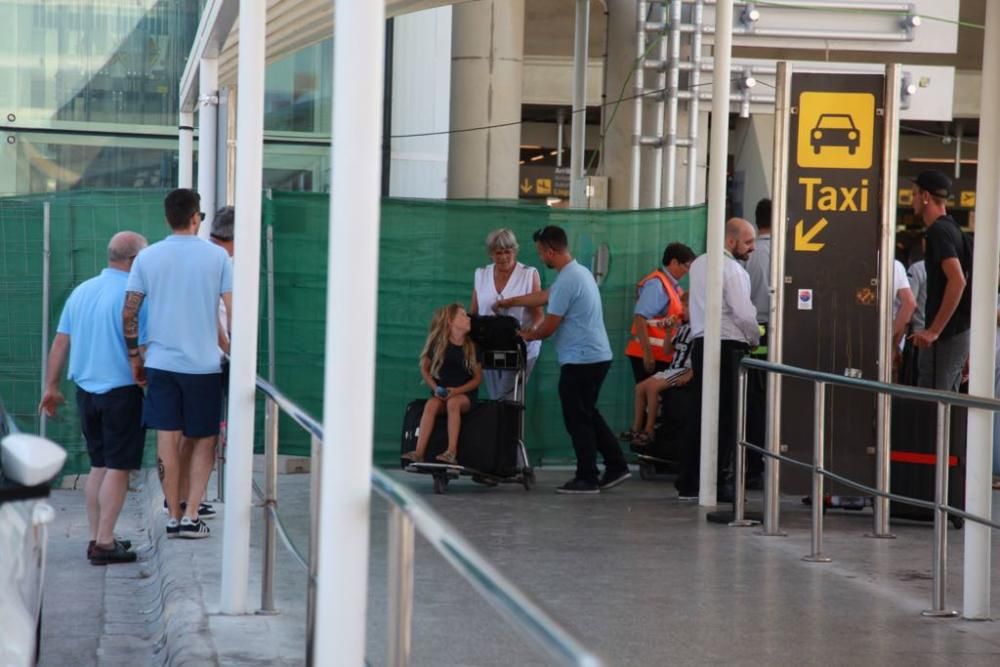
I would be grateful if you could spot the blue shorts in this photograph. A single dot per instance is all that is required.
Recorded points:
(112, 426)
(185, 402)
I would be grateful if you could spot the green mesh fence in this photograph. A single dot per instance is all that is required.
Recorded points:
(81, 224)
(428, 253)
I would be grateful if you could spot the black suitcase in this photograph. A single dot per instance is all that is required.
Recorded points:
(913, 457)
(672, 428)
(488, 441)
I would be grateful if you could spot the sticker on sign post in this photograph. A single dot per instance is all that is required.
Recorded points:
(805, 299)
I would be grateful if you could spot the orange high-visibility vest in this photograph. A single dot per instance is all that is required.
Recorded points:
(658, 336)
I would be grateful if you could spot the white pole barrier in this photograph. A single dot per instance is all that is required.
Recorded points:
(246, 280)
(349, 375)
(46, 298)
(185, 156)
(716, 225)
(979, 454)
(578, 123)
(208, 145)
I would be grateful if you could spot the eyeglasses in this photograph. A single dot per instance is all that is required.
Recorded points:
(201, 216)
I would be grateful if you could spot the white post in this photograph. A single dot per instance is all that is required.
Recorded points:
(46, 299)
(185, 155)
(246, 278)
(716, 226)
(979, 454)
(349, 375)
(208, 145)
(578, 124)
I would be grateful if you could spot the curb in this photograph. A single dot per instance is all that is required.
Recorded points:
(179, 627)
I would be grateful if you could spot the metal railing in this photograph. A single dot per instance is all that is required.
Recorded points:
(944, 400)
(406, 513)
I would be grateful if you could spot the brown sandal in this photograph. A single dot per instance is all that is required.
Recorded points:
(642, 439)
(447, 457)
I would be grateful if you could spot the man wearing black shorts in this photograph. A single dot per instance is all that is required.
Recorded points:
(180, 279)
(108, 399)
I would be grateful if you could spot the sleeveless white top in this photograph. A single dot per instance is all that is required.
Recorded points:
(520, 283)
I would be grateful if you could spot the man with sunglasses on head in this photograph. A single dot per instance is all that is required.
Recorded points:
(576, 319)
(181, 278)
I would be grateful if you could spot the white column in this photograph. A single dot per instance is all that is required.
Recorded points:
(487, 51)
(715, 240)
(349, 375)
(979, 453)
(577, 184)
(185, 156)
(421, 89)
(208, 144)
(246, 273)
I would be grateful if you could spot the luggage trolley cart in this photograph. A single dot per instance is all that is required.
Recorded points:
(491, 446)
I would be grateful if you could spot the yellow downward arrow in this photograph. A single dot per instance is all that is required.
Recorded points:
(804, 239)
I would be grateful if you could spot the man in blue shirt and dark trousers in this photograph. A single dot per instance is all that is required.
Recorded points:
(107, 397)
(576, 318)
(182, 279)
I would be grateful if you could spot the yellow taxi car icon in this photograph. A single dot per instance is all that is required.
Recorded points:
(835, 129)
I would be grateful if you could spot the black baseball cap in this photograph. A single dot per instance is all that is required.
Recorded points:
(933, 182)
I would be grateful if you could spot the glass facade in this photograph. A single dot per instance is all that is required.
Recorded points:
(89, 98)
(89, 92)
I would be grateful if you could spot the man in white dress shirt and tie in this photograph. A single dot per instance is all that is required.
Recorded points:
(740, 334)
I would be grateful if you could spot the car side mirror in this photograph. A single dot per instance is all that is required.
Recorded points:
(30, 460)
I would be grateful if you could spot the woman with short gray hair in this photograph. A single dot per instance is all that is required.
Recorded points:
(504, 278)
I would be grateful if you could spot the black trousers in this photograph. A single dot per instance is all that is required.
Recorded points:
(579, 387)
(690, 456)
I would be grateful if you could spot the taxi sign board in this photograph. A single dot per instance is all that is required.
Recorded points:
(832, 233)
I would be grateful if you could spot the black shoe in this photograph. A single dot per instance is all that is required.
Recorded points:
(206, 511)
(610, 480)
(725, 495)
(116, 554)
(192, 530)
(579, 486)
(126, 544)
(173, 528)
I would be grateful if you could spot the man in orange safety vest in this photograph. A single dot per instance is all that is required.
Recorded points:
(657, 311)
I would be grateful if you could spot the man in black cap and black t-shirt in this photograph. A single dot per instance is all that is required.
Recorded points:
(948, 259)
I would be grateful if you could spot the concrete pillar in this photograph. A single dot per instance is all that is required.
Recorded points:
(487, 49)
(755, 160)
(621, 46)
(421, 81)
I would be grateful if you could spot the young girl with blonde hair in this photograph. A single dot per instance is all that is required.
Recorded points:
(449, 367)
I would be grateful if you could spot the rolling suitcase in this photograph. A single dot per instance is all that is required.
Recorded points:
(672, 428)
(913, 457)
(487, 443)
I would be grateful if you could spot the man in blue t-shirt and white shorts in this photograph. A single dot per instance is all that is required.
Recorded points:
(181, 278)
(576, 318)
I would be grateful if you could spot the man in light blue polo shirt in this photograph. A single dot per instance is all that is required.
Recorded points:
(181, 278)
(576, 319)
(107, 397)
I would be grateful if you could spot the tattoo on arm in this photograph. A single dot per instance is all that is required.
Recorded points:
(130, 316)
